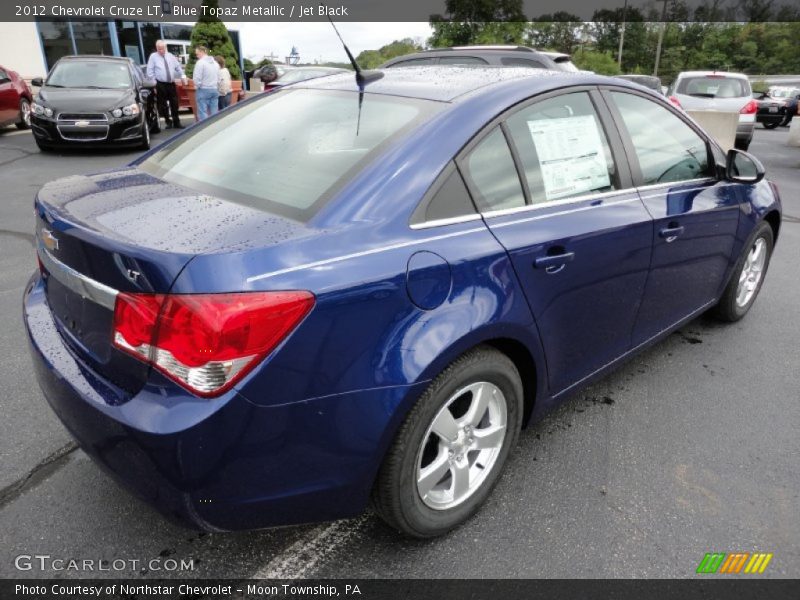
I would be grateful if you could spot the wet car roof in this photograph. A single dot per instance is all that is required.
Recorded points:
(448, 83)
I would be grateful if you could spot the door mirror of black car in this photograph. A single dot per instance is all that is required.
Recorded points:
(742, 167)
(37, 82)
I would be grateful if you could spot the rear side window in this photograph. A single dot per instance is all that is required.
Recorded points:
(563, 148)
(415, 62)
(451, 199)
(667, 148)
(490, 169)
(290, 151)
(714, 86)
(462, 60)
(521, 62)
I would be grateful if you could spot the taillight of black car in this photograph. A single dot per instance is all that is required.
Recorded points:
(206, 342)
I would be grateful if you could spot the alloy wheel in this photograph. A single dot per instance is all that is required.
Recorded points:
(461, 445)
(752, 271)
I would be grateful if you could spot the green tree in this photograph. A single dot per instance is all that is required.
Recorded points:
(210, 32)
(369, 59)
(559, 31)
(599, 62)
(479, 22)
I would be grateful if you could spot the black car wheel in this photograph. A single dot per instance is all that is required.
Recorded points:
(786, 121)
(450, 451)
(24, 114)
(771, 124)
(145, 135)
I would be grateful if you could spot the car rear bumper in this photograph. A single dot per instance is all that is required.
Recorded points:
(744, 131)
(124, 131)
(221, 464)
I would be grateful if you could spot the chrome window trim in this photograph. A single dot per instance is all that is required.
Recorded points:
(567, 211)
(653, 186)
(565, 202)
(448, 221)
(78, 282)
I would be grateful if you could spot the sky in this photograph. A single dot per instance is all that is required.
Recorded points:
(318, 41)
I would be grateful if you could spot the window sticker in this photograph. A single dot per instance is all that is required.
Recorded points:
(571, 155)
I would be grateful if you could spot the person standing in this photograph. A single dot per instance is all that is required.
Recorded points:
(206, 77)
(224, 84)
(165, 69)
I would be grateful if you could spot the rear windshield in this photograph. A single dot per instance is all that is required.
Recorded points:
(714, 86)
(289, 151)
(90, 74)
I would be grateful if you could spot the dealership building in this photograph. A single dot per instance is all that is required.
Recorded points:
(31, 48)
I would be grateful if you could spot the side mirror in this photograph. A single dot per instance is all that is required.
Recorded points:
(37, 82)
(742, 167)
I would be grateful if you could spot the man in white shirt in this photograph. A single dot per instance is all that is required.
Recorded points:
(165, 69)
(206, 74)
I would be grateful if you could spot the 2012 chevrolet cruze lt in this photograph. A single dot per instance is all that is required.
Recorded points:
(330, 295)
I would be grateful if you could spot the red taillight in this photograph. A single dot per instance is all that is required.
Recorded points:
(750, 108)
(206, 342)
(675, 101)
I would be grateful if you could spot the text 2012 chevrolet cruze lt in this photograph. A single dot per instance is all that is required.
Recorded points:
(328, 295)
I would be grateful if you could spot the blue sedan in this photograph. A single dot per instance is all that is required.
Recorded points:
(336, 295)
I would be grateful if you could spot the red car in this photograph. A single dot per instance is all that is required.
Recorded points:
(15, 100)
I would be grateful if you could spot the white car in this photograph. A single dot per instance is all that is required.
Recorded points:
(721, 91)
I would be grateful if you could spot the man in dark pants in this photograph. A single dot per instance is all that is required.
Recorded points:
(165, 69)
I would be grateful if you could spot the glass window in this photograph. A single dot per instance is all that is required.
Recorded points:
(92, 37)
(150, 35)
(667, 148)
(415, 62)
(521, 62)
(491, 171)
(4, 76)
(55, 40)
(714, 86)
(563, 148)
(461, 60)
(449, 201)
(262, 154)
(89, 73)
(128, 38)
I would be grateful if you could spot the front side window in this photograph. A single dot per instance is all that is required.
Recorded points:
(287, 152)
(563, 148)
(667, 148)
(491, 171)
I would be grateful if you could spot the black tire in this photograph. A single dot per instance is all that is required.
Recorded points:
(728, 309)
(787, 120)
(771, 124)
(24, 115)
(43, 147)
(145, 145)
(395, 496)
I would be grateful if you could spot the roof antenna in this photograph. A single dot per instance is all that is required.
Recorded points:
(362, 77)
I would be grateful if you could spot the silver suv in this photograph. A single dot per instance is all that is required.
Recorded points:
(718, 90)
(500, 56)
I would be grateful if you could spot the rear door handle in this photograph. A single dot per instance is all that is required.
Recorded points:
(671, 233)
(553, 263)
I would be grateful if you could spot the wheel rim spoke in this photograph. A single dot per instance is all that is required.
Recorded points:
(445, 426)
(480, 402)
(489, 437)
(433, 473)
(460, 479)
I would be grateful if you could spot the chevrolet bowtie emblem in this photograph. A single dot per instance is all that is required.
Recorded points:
(81, 123)
(49, 240)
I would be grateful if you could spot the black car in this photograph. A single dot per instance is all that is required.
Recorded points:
(94, 101)
(649, 81)
(790, 95)
(501, 56)
(771, 111)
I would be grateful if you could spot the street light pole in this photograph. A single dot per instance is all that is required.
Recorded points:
(660, 38)
(622, 35)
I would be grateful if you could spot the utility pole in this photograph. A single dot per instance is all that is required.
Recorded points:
(660, 38)
(622, 35)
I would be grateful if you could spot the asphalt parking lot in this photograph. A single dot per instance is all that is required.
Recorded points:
(691, 447)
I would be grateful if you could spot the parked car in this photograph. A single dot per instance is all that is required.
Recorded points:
(720, 91)
(771, 111)
(94, 101)
(322, 297)
(503, 56)
(648, 81)
(791, 96)
(15, 100)
(300, 74)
